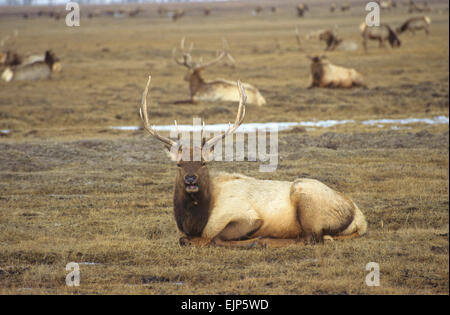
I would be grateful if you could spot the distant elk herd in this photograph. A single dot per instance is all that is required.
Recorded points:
(15, 66)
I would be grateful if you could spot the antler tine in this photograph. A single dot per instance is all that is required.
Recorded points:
(219, 57)
(238, 121)
(191, 46)
(186, 54)
(202, 135)
(297, 36)
(144, 116)
(4, 40)
(186, 59)
(226, 48)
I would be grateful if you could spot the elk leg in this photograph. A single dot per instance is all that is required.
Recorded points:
(365, 45)
(197, 241)
(259, 243)
(343, 237)
(180, 102)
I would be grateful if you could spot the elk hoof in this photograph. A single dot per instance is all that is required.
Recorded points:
(184, 241)
(259, 243)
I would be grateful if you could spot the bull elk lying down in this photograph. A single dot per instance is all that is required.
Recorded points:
(9, 58)
(382, 34)
(216, 90)
(331, 39)
(236, 210)
(33, 68)
(326, 75)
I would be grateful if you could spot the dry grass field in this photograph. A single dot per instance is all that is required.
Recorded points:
(74, 190)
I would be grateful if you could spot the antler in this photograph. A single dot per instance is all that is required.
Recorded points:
(187, 59)
(297, 36)
(223, 53)
(144, 116)
(239, 118)
(8, 38)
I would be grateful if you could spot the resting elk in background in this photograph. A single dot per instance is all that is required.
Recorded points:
(33, 71)
(236, 210)
(217, 90)
(381, 33)
(8, 57)
(331, 39)
(326, 75)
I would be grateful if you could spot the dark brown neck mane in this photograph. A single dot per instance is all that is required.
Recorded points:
(192, 209)
(195, 82)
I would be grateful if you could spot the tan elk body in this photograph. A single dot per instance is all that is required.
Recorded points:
(236, 210)
(215, 90)
(326, 75)
(381, 33)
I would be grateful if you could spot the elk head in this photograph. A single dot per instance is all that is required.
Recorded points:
(317, 67)
(195, 68)
(317, 59)
(52, 61)
(192, 175)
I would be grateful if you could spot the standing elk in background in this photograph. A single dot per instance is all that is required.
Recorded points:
(35, 71)
(206, 11)
(216, 90)
(301, 9)
(274, 9)
(333, 7)
(331, 39)
(382, 34)
(387, 4)
(162, 10)
(326, 75)
(238, 211)
(135, 12)
(257, 10)
(346, 6)
(418, 8)
(177, 14)
(415, 24)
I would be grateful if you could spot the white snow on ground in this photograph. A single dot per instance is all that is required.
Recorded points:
(287, 125)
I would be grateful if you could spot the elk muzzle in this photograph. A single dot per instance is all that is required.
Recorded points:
(191, 183)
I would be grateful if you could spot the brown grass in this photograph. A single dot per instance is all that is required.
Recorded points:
(71, 189)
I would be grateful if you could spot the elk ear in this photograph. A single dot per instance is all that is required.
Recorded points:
(207, 154)
(172, 153)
